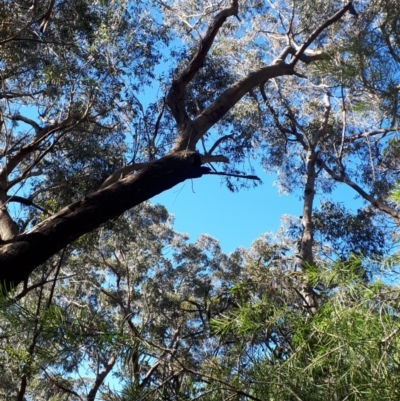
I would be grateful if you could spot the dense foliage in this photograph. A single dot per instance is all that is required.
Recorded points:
(104, 104)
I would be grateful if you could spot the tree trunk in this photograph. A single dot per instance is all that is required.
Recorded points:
(20, 255)
(8, 227)
(306, 242)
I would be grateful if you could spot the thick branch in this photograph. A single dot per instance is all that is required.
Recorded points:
(228, 99)
(216, 110)
(207, 158)
(100, 379)
(306, 58)
(22, 254)
(26, 120)
(176, 95)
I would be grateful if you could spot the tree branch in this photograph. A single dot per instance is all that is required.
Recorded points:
(14, 95)
(100, 379)
(44, 20)
(61, 386)
(228, 99)
(377, 203)
(22, 254)
(26, 202)
(330, 21)
(176, 95)
(248, 177)
(218, 142)
(122, 172)
(383, 131)
(41, 133)
(217, 109)
(207, 158)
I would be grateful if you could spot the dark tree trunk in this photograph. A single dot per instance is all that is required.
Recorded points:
(22, 254)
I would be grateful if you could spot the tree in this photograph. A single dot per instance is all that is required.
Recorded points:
(128, 301)
(80, 76)
(172, 320)
(316, 99)
(347, 350)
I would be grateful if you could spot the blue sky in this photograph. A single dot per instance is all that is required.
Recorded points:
(205, 206)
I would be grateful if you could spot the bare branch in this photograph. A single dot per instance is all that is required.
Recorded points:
(248, 177)
(353, 138)
(26, 120)
(157, 124)
(283, 130)
(26, 202)
(308, 57)
(176, 95)
(218, 142)
(217, 109)
(330, 21)
(377, 203)
(100, 378)
(207, 158)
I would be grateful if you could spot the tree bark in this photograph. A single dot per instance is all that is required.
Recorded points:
(100, 379)
(20, 255)
(306, 242)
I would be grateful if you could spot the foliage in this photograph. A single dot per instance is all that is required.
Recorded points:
(99, 97)
(171, 320)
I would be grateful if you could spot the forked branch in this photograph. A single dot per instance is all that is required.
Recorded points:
(330, 21)
(176, 95)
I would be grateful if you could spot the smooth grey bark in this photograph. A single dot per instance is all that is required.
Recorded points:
(306, 241)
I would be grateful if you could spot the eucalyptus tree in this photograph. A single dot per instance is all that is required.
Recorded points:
(128, 308)
(74, 130)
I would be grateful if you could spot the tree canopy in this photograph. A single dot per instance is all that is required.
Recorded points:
(105, 104)
(73, 123)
